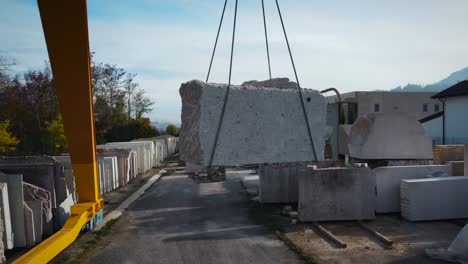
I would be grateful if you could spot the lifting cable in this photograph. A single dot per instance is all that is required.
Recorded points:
(301, 96)
(216, 41)
(266, 38)
(228, 87)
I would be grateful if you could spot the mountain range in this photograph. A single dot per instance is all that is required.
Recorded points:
(453, 79)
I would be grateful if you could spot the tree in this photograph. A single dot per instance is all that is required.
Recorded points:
(8, 141)
(130, 87)
(55, 136)
(141, 104)
(172, 130)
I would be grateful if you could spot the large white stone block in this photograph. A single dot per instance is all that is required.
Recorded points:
(388, 136)
(7, 234)
(331, 194)
(434, 198)
(388, 182)
(16, 200)
(261, 124)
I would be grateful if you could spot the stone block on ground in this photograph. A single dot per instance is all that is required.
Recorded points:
(7, 234)
(261, 124)
(389, 136)
(29, 226)
(16, 201)
(35, 193)
(278, 183)
(434, 198)
(388, 183)
(330, 194)
(36, 209)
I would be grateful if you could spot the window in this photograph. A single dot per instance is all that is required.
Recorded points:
(424, 108)
(376, 108)
(436, 108)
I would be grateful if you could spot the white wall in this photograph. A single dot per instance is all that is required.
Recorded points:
(433, 127)
(456, 111)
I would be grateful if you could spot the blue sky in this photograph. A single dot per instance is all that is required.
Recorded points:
(351, 45)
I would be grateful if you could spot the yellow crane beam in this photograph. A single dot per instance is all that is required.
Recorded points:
(65, 25)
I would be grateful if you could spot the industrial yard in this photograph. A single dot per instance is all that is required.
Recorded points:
(117, 148)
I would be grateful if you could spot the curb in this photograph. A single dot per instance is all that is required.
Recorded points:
(119, 210)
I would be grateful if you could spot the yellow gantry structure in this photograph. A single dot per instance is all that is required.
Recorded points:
(65, 25)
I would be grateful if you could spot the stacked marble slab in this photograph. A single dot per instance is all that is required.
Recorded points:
(144, 152)
(388, 182)
(434, 198)
(336, 193)
(27, 212)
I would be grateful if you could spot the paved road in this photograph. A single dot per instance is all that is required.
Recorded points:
(180, 221)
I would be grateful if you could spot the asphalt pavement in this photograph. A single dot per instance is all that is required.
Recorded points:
(180, 221)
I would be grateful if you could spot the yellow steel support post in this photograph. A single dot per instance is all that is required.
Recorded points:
(65, 26)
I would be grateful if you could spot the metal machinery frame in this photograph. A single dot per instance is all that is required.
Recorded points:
(65, 25)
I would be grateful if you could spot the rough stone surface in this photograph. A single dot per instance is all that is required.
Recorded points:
(34, 193)
(29, 226)
(7, 231)
(330, 194)
(389, 136)
(16, 200)
(434, 198)
(2, 245)
(388, 183)
(261, 125)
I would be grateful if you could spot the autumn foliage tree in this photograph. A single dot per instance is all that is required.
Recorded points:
(29, 102)
(8, 141)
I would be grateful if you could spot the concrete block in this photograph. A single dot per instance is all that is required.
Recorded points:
(63, 211)
(261, 124)
(434, 198)
(34, 193)
(388, 136)
(278, 183)
(388, 183)
(16, 200)
(29, 226)
(7, 231)
(36, 208)
(330, 194)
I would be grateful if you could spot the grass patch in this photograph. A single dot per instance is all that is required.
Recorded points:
(270, 216)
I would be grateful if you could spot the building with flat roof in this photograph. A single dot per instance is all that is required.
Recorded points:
(416, 104)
